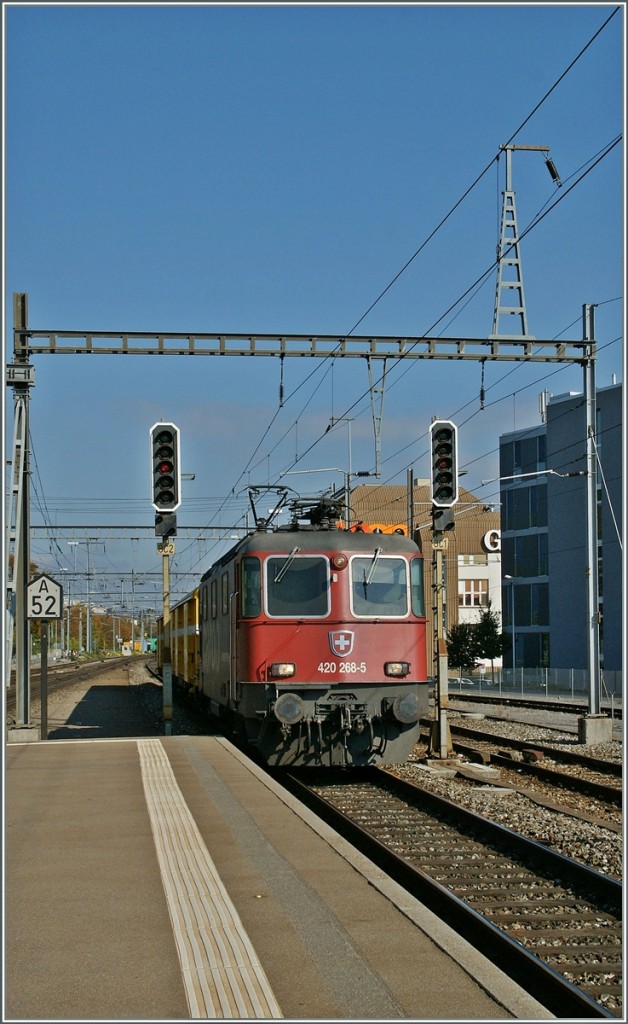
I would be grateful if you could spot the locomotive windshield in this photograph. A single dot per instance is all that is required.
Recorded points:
(297, 586)
(379, 585)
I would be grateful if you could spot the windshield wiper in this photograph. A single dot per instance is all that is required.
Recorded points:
(286, 565)
(367, 579)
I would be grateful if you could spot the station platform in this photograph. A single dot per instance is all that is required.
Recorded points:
(168, 878)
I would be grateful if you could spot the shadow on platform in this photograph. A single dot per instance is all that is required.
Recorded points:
(108, 712)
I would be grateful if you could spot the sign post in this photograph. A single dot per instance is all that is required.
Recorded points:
(44, 601)
(444, 493)
(166, 549)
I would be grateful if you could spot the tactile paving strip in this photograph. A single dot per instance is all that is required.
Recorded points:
(222, 975)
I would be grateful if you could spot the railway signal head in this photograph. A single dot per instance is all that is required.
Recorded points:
(165, 524)
(444, 478)
(165, 467)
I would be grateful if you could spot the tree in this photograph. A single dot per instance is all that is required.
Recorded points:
(462, 648)
(490, 640)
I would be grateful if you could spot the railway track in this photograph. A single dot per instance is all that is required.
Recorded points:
(573, 707)
(549, 922)
(556, 750)
(559, 772)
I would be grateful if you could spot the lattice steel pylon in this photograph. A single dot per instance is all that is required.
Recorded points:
(13, 524)
(21, 378)
(509, 292)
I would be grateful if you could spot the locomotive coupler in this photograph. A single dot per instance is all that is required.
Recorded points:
(319, 726)
(345, 719)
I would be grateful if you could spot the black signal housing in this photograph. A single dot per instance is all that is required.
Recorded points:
(444, 475)
(165, 467)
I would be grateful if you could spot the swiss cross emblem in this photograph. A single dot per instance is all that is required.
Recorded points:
(341, 642)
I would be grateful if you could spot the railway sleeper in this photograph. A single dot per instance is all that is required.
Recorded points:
(515, 922)
(582, 937)
(580, 968)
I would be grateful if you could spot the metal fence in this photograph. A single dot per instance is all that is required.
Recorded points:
(570, 683)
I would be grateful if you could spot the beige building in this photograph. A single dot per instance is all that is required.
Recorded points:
(473, 556)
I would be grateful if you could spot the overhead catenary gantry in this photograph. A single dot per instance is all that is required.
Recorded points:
(29, 342)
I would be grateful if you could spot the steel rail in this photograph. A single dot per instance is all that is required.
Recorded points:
(552, 990)
(537, 703)
(586, 787)
(566, 756)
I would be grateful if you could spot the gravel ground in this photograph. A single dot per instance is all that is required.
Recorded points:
(592, 844)
(533, 732)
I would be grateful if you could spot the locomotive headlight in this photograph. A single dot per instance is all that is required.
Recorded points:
(339, 561)
(397, 668)
(289, 708)
(282, 669)
(406, 708)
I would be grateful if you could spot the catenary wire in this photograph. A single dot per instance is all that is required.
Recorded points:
(467, 192)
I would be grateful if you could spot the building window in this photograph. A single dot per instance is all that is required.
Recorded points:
(481, 558)
(525, 507)
(473, 593)
(525, 455)
(530, 454)
(539, 604)
(531, 555)
(538, 505)
(543, 559)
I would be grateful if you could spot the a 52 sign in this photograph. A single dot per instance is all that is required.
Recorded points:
(44, 598)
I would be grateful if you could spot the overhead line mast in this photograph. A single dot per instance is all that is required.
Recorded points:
(509, 270)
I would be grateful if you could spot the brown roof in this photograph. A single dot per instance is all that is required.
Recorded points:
(387, 504)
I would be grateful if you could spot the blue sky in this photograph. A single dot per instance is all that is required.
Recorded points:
(271, 169)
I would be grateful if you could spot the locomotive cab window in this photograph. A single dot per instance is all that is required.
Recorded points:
(297, 586)
(224, 590)
(379, 586)
(418, 592)
(251, 587)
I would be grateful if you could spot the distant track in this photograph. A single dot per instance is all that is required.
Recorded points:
(571, 707)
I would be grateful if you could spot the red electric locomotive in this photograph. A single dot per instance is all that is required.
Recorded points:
(312, 641)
